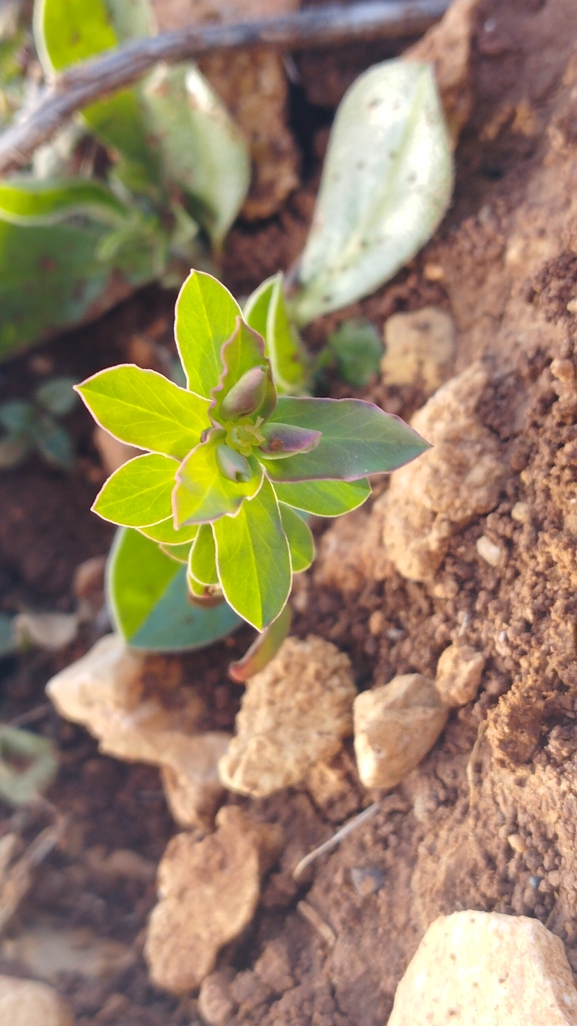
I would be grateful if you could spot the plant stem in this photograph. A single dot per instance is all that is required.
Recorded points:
(313, 27)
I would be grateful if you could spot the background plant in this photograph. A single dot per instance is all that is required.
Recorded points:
(230, 468)
(32, 426)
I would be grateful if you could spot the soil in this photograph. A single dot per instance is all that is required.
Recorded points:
(504, 264)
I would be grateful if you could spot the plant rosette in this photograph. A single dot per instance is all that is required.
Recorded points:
(230, 463)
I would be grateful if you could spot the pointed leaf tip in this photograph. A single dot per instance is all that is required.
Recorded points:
(246, 396)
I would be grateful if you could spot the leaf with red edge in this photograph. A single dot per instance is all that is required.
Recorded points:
(282, 440)
(242, 353)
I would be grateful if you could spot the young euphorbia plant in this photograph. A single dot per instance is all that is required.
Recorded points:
(229, 462)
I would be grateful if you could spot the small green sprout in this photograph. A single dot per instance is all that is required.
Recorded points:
(230, 462)
(31, 426)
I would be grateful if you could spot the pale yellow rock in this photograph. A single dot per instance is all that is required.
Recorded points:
(208, 891)
(458, 676)
(447, 486)
(487, 969)
(488, 551)
(420, 347)
(294, 714)
(395, 726)
(103, 691)
(28, 1003)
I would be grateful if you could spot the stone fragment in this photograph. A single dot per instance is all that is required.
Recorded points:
(458, 676)
(104, 691)
(395, 726)
(487, 969)
(420, 347)
(521, 512)
(488, 551)
(214, 1001)
(28, 1003)
(208, 890)
(447, 486)
(294, 714)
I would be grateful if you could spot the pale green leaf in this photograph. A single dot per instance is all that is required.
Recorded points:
(200, 146)
(148, 599)
(324, 498)
(180, 553)
(202, 559)
(132, 19)
(206, 315)
(29, 201)
(265, 311)
(358, 349)
(357, 439)
(57, 396)
(253, 559)
(139, 493)
(51, 279)
(28, 765)
(145, 409)
(386, 184)
(241, 353)
(300, 539)
(53, 443)
(164, 532)
(202, 493)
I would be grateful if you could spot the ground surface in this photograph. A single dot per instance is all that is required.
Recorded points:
(506, 764)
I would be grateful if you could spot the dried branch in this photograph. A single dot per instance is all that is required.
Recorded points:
(314, 27)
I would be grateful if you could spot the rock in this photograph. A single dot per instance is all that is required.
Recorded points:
(450, 484)
(487, 969)
(294, 714)
(395, 726)
(420, 347)
(521, 512)
(459, 672)
(209, 891)
(351, 551)
(46, 951)
(214, 1001)
(28, 1003)
(104, 692)
(112, 451)
(488, 551)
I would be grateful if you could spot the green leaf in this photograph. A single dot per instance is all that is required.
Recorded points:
(283, 440)
(300, 539)
(253, 559)
(54, 443)
(202, 559)
(30, 201)
(202, 493)
(266, 312)
(200, 146)
(357, 439)
(165, 533)
(242, 353)
(57, 396)
(358, 349)
(206, 316)
(132, 19)
(324, 498)
(69, 31)
(139, 493)
(148, 599)
(386, 184)
(180, 553)
(145, 409)
(28, 765)
(263, 648)
(17, 415)
(8, 639)
(51, 278)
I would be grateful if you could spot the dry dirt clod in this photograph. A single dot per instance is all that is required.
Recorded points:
(294, 714)
(28, 1003)
(420, 347)
(487, 969)
(488, 551)
(395, 726)
(458, 676)
(459, 478)
(209, 890)
(104, 692)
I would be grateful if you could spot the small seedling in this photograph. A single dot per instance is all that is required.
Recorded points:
(230, 463)
(357, 350)
(32, 426)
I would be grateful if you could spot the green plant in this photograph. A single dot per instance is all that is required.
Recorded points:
(72, 244)
(32, 426)
(356, 349)
(231, 467)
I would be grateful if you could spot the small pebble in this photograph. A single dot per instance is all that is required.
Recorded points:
(488, 551)
(367, 880)
(572, 306)
(521, 512)
(534, 881)
(517, 843)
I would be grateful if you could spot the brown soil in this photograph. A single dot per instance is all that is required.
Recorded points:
(506, 764)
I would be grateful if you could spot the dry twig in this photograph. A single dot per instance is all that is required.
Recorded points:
(314, 27)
